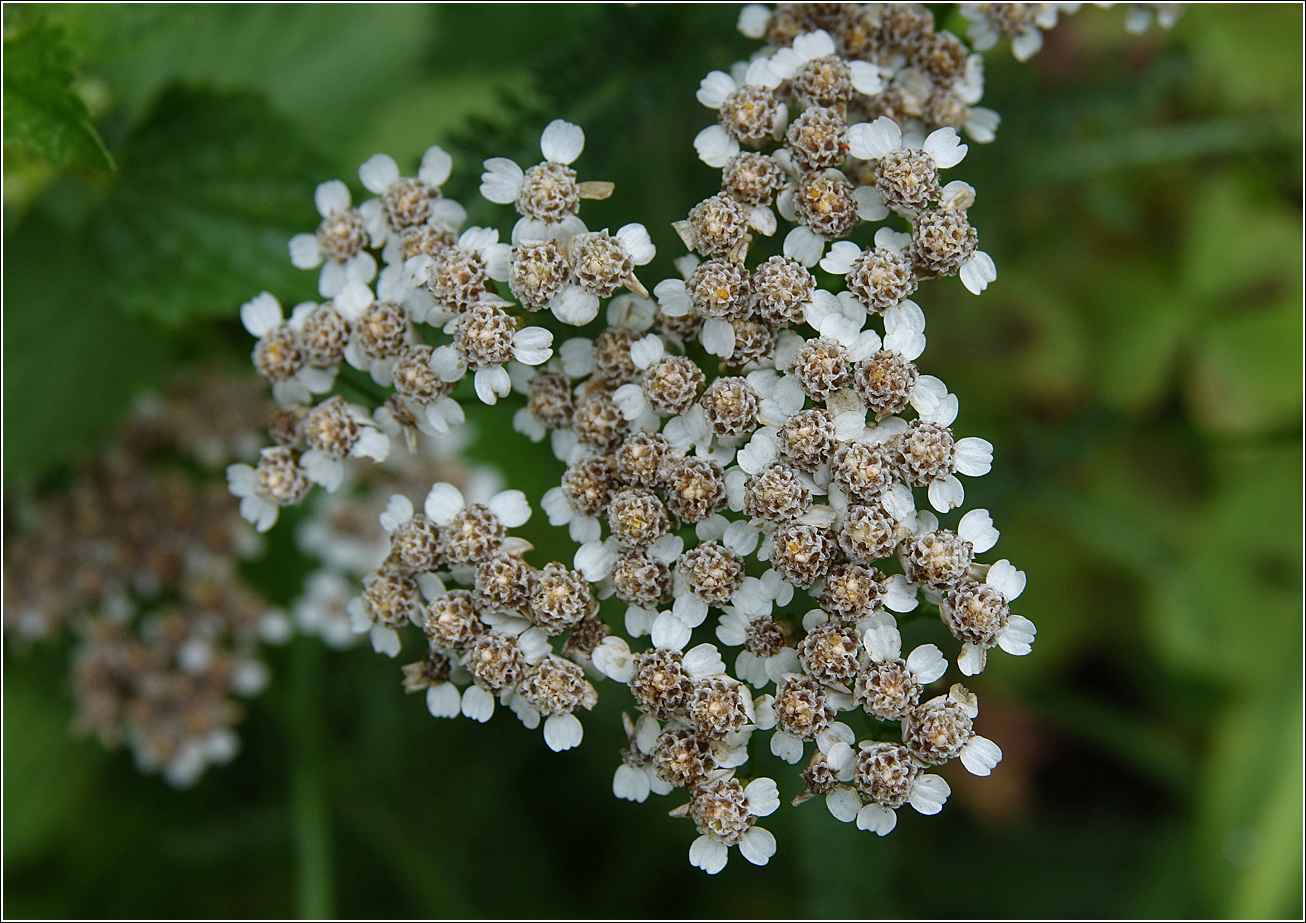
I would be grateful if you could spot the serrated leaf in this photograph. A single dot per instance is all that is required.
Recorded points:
(72, 363)
(42, 111)
(213, 186)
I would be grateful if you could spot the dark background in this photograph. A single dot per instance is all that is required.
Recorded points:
(1137, 366)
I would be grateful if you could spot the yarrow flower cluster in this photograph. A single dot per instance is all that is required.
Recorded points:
(745, 449)
(141, 563)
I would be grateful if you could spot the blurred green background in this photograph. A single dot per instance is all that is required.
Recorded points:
(1137, 366)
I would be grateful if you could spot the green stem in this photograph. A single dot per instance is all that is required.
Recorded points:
(309, 802)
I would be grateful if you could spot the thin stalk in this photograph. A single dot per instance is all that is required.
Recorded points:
(309, 799)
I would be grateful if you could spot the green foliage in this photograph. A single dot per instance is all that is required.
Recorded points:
(43, 111)
(213, 185)
(72, 362)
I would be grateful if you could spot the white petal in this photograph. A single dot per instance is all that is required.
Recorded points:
(946, 493)
(398, 511)
(574, 306)
(594, 560)
(980, 756)
(1004, 578)
(762, 449)
(877, 818)
(331, 197)
(322, 469)
(753, 20)
(612, 659)
(630, 784)
(787, 747)
(443, 503)
(630, 401)
(645, 352)
(690, 609)
(870, 204)
(757, 845)
(1027, 44)
(332, 279)
(760, 74)
(708, 854)
(944, 413)
(843, 804)
(978, 271)
(529, 425)
(804, 246)
(361, 267)
(673, 298)
(492, 384)
(900, 596)
(982, 124)
(510, 508)
(971, 659)
(890, 239)
(883, 643)
(714, 146)
(976, 527)
(562, 732)
(865, 78)
(929, 794)
(1017, 636)
(385, 640)
(304, 251)
(823, 307)
(841, 257)
(372, 443)
(562, 142)
(741, 537)
(501, 181)
(872, 140)
(714, 88)
(584, 529)
(436, 166)
(926, 664)
(945, 147)
(974, 456)
(378, 173)
(784, 203)
(667, 549)
(703, 660)
(444, 701)
(718, 337)
(634, 237)
(762, 796)
(909, 343)
(261, 315)
(762, 220)
(531, 346)
(478, 704)
(670, 632)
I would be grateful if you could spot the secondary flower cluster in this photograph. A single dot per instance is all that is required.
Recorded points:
(141, 563)
(746, 450)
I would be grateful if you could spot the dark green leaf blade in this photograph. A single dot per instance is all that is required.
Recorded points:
(42, 110)
(213, 186)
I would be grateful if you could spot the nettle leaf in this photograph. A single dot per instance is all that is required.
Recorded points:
(42, 110)
(213, 186)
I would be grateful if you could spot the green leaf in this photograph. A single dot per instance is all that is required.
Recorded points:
(42, 110)
(71, 362)
(212, 188)
(324, 67)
